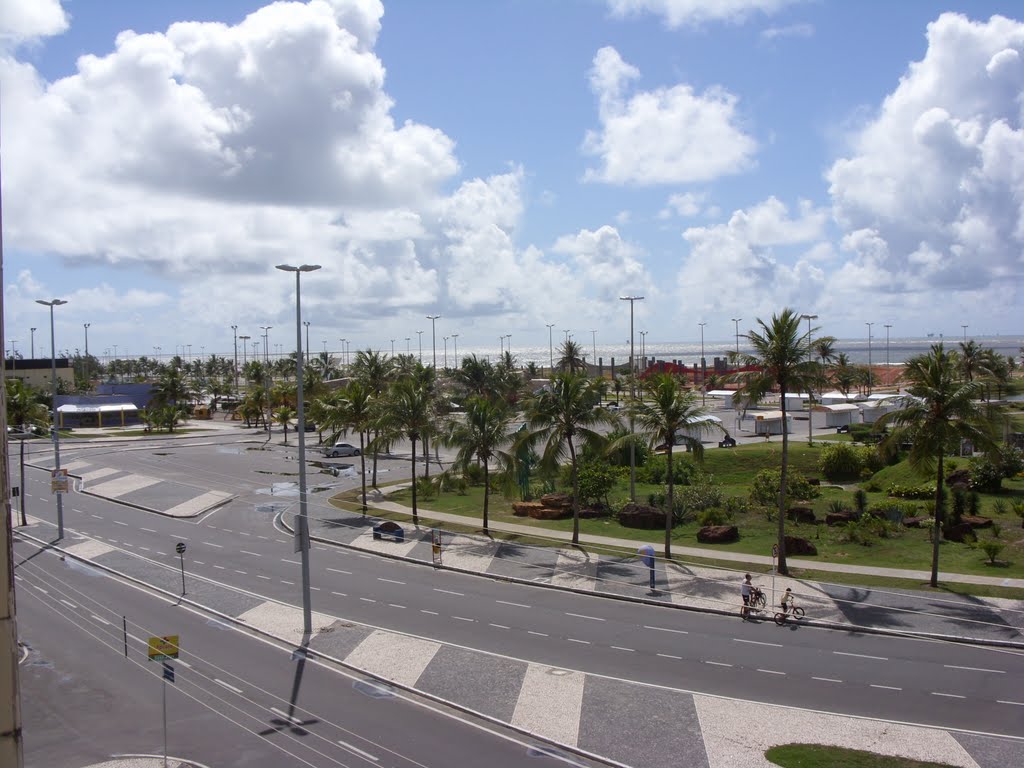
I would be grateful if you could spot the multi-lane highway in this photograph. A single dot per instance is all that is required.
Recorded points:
(897, 679)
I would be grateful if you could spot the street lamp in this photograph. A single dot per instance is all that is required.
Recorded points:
(302, 529)
(306, 323)
(703, 367)
(810, 394)
(234, 335)
(593, 334)
(632, 395)
(869, 356)
(509, 337)
(446, 352)
(392, 347)
(965, 332)
(33, 330)
(245, 340)
(566, 332)
(736, 320)
(266, 343)
(53, 427)
(407, 339)
(643, 344)
(88, 373)
(344, 351)
(433, 336)
(420, 335)
(455, 340)
(551, 350)
(887, 327)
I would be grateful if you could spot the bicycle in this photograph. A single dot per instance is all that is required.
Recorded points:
(794, 610)
(757, 603)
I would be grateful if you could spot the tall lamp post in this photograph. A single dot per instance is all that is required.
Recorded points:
(887, 327)
(33, 332)
(234, 334)
(87, 371)
(433, 336)
(420, 335)
(810, 395)
(736, 320)
(643, 346)
(302, 528)
(306, 323)
(593, 334)
(407, 340)
(632, 395)
(870, 372)
(266, 342)
(344, 352)
(965, 332)
(455, 340)
(551, 351)
(53, 429)
(703, 367)
(446, 352)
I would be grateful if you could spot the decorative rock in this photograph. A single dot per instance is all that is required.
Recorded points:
(801, 515)
(556, 500)
(641, 516)
(798, 546)
(550, 513)
(718, 534)
(522, 508)
(959, 532)
(977, 522)
(959, 477)
(915, 522)
(838, 518)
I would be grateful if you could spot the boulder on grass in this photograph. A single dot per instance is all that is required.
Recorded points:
(798, 546)
(917, 521)
(838, 518)
(961, 532)
(543, 512)
(801, 515)
(718, 534)
(976, 521)
(522, 508)
(557, 501)
(635, 515)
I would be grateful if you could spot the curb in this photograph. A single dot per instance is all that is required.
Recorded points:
(816, 623)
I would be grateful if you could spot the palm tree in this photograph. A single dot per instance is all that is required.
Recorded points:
(171, 389)
(780, 360)
(405, 411)
(570, 358)
(970, 360)
(844, 374)
(372, 369)
(487, 427)
(26, 407)
(938, 410)
(668, 411)
(355, 403)
(283, 416)
(564, 417)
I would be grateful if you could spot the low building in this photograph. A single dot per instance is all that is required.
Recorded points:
(770, 422)
(37, 373)
(841, 414)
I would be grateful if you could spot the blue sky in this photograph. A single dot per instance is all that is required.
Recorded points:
(509, 164)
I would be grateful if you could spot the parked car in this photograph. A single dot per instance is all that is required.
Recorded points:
(341, 449)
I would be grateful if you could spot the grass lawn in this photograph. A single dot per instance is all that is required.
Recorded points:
(734, 469)
(818, 756)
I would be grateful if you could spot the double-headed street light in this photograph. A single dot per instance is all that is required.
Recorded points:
(551, 350)
(736, 320)
(419, 334)
(33, 331)
(302, 527)
(887, 327)
(455, 340)
(632, 395)
(810, 394)
(234, 334)
(433, 336)
(53, 428)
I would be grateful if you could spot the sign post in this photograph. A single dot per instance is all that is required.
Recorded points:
(58, 481)
(164, 649)
(180, 549)
(775, 555)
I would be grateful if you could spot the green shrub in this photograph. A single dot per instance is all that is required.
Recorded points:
(474, 474)
(764, 491)
(860, 502)
(701, 496)
(992, 550)
(996, 530)
(713, 516)
(987, 473)
(655, 469)
(892, 511)
(735, 505)
(596, 480)
(426, 488)
(911, 491)
(1000, 508)
(839, 461)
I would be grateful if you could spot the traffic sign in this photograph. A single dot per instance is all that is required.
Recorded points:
(775, 550)
(168, 672)
(163, 648)
(180, 547)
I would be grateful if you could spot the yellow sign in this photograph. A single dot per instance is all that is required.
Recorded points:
(58, 481)
(163, 648)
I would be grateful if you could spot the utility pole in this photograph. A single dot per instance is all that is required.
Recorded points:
(810, 395)
(551, 351)
(870, 374)
(632, 395)
(433, 336)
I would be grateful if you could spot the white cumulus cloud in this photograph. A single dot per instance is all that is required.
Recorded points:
(27, 20)
(678, 13)
(664, 136)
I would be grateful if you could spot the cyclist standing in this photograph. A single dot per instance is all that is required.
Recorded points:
(787, 601)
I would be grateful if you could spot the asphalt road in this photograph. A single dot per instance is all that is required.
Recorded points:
(236, 700)
(905, 680)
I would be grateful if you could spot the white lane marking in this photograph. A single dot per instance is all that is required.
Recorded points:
(68, 603)
(162, 554)
(827, 679)
(183, 538)
(227, 530)
(243, 533)
(212, 526)
(317, 589)
(17, 578)
(499, 626)
(666, 629)
(517, 605)
(367, 600)
(210, 543)
(291, 562)
(339, 594)
(220, 567)
(280, 541)
(395, 605)
(975, 669)
(183, 663)
(390, 581)
(241, 572)
(886, 687)
(449, 592)
(199, 562)
(620, 648)
(670, 656)
(757, 642)
(265, 538)
(432, 613)
(948, 695)
(539, 634)
(581, 642)
(357, 751)
(41, 590)
(718, 663)
(1014, 703)
(338, 570)
(247, 552)
(94, 617)
(118, 522)
(98, 517)
(286, 716)
(462, 618)
(147, 530)
(582, 616)
(770, 672)
(145, 549)
(289, 583)
(227, 685)
(860, 655)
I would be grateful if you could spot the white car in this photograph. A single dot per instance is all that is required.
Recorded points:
(341, 449)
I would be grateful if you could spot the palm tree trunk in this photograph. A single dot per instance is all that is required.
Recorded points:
(937, 530)
(362, 468)
(575, 495)
(671, 506)
(373, 482)
(783, 569)
(426, 456)
(487, 492)
(415, 512)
